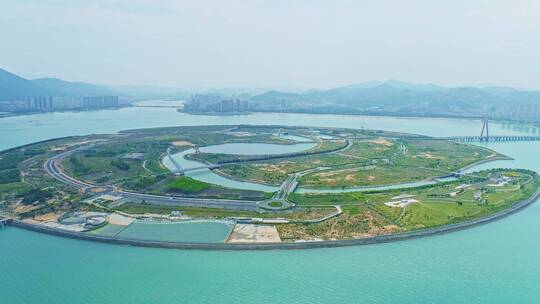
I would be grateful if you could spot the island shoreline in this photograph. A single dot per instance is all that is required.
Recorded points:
(387, 238)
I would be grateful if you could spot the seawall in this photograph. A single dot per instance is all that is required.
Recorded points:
(36, 143)
(272, 246)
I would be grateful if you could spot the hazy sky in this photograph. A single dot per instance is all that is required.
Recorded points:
(273, 43)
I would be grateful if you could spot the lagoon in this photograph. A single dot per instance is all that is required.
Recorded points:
(208, 176)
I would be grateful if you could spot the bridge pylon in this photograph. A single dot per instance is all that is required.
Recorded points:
(484, 135)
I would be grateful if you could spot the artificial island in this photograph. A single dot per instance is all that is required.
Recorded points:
(255, 187)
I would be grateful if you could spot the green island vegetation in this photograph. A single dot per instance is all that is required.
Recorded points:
(375, 212)
(339, 158)
(275, 204)
(219, 213)
(187, 185)
(368, 162)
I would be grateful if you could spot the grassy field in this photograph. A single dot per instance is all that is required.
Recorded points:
(274, 172)
(435, 205)
(134, 208)
(374, 158)
(393, 162)
(275, 204)
(356, 222)
(187, 185)
(13, 189)
(368, 162)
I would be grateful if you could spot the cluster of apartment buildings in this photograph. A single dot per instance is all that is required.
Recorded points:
(217, 103)
(526, 112)
(50, 103)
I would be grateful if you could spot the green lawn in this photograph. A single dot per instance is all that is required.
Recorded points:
(275, 204)
(432, 211)
(187, 185)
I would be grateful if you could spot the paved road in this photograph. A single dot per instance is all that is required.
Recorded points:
(287, 187)
(54, 168)
(189, 202)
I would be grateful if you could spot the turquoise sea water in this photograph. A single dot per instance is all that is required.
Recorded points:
(18, 130)
(494, 263)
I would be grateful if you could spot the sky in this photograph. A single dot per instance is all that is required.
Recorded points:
(279, 44)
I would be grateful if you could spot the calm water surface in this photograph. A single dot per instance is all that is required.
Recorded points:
(256, 148)
(494, 263)
(207, 175)
(192, 231)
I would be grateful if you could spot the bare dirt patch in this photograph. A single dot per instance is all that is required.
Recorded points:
(350, 177)
(241, 134)
(364, 224)
(249, 233)
(118, 219)
(182, 143)
(23, 208)
(272, 168)
(429, 155)
(48, 217)
(382, 141)
(98, 190)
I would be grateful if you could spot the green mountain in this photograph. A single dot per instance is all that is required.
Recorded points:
(400, 94)
(13, 87)
(72, 88)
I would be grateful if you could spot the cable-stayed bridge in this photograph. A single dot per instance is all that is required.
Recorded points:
(486, 137)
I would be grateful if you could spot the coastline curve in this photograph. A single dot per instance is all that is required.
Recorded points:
(387, 238)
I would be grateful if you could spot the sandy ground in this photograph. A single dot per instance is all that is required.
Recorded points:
(23, 208)
(241, 134)
(48, 217)
(77, 228)
(429, 155)
(249, 233)
(107, 197)
(382, 141)
(182, 143)
(271, 168)
(118, 219)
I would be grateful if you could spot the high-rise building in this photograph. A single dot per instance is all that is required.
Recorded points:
(100, 101)
(215, 103)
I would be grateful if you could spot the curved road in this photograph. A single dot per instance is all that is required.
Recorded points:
(54, 168)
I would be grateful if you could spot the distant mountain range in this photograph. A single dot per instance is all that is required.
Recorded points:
(396, 93)
(72, 88)
(385, 97)
(13, 87)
